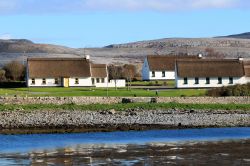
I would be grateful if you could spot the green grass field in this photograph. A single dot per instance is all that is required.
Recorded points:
(123, 92)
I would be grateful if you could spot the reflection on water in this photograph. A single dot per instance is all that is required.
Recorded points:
(230, 148)
(199, 153)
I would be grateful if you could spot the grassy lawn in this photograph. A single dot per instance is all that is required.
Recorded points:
(122, 107)
(99, 92)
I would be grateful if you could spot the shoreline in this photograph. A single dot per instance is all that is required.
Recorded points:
(64, 121)
(133, 127)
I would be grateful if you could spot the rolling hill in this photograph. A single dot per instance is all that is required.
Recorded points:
(135, 52)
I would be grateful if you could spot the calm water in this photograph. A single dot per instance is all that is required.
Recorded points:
(217, 146)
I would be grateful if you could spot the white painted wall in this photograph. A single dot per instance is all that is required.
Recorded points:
(213, 82)
(169, 75)
(101, 84)
(119, 83)
(147, 74)
(50, 82)
(83, 81)
(247, 80)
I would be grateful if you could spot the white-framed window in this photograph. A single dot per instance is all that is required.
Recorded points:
(76, 80)
(44, 81)
(185, 80)
(231, 80)
(33, 81)
(98, 80)
(207, 80)
(163, 74)
(153, 73)
(196, 80)
(103, 80)
(56, 81)
(219, 80)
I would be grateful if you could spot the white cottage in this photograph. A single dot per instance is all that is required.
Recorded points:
(161, 67)
(67, 72)
(207, 73)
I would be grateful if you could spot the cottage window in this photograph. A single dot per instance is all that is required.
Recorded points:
(33, 81)
(185, 80)
(44, 81)
(196, 80)
(153, 73)
(163, 74)
(98, 80)
(93, 81)
(207, 80)
(231, 80)
(56, 81)
(76, 80)
(103, 80)
(219, 80)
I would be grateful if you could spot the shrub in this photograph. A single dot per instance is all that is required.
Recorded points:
(236, 90)
(15, 71)
(2, 75)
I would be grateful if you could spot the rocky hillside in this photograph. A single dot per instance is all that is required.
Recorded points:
(23, 45)
(127, 53)
(228, 46)
(240, 36)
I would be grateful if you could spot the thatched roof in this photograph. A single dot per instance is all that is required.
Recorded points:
(58, 67)
(165, 63)
(247, 68)
(99, 70)
(210, 68)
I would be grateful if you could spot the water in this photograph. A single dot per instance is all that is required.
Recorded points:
(222, 146)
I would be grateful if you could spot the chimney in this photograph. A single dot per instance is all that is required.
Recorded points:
(241, 59)
(200, 56)
(87, 57)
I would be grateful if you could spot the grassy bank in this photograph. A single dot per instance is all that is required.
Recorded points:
(33, 92)
(122, 107)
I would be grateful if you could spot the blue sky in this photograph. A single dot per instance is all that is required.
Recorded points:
(96, 23)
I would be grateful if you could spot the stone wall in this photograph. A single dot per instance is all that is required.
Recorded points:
(111, 100)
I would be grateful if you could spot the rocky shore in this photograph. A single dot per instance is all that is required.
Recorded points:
(134, 119)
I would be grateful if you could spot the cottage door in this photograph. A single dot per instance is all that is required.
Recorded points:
(66, 82)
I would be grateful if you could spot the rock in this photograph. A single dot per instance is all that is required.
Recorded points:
(112, 111)
(153, 100)
(126, 100)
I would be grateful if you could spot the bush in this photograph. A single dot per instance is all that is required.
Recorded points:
(2, 75)
(15, 71)
(236, 90)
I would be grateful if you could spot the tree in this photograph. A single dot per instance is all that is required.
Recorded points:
(129, 72)
(115, 73)
(15, 71)
(2, 75)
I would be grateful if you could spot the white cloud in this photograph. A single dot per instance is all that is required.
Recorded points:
(160, 5)
(62, 6)
(5, 36)
(7, 5)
